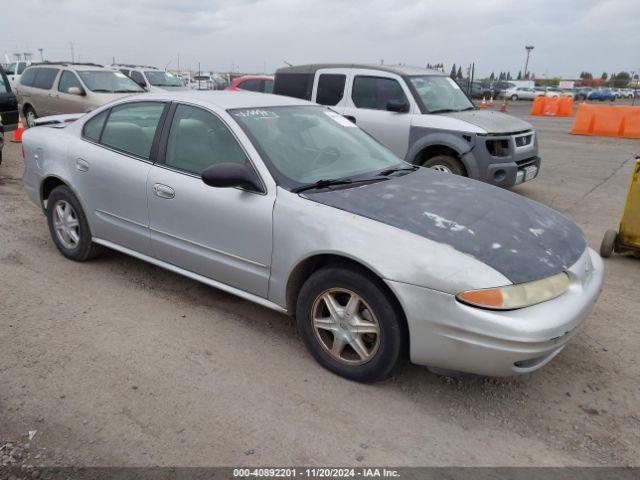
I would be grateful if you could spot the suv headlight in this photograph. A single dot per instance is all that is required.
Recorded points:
(521, 295)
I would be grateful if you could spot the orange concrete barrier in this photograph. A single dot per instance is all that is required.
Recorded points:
(552, 106)
(607, 121)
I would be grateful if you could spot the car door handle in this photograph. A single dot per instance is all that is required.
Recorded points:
(163, 191)
(82, 165)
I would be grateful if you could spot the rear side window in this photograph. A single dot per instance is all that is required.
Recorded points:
(252, 85)
(375, 92)
(67, 80)
(21, 67)
(4, 84)
(131, 127)
(45, 78)
(93, 128)
(268, 86)
(298, 85)
(29, 76)
(330, 89)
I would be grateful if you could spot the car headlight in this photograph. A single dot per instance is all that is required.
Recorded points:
(521, 295)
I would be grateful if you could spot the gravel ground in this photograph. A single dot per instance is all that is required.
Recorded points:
(117, 362)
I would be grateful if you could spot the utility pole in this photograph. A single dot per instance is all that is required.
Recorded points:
(73, 57)
(41, 55)
(526, 63)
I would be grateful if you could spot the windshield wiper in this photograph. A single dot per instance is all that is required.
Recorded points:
(102, 90)
(389, 171)
(443, 110)
(330, 182)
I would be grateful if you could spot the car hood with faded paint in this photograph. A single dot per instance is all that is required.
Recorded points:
(522, 239)
(491, 122)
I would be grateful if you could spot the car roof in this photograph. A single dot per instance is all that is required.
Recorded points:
(399, 69)
(224, 99)
(74, 66)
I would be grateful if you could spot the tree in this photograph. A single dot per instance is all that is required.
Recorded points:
(453, 71)
(604, 76)
(492, 77)
(459, 75)
(621, 79)
(519, 75)
(508, 75)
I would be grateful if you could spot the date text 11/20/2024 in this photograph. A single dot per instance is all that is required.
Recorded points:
(315, 473)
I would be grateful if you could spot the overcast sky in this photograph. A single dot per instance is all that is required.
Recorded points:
(569, 35)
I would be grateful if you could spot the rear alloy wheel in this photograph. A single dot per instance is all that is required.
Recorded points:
(350, 324)
(30, 117)
(514, 97)
(68, 225)
(445, 163)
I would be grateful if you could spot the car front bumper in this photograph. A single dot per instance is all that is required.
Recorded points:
(447, 334)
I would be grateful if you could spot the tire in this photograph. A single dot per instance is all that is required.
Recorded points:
(445, 163)
(381, 353)
(30, 116)
(514, 97)
(65, 215)
(608, 245)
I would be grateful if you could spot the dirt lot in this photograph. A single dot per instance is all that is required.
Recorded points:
(116, 362)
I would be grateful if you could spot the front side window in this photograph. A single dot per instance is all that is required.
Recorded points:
(439, 93)
(67, 80)
(108, 81)
(131, 127)
(376, 92)
(304, 144)
(199, 139)
(330, 89)
(45, 77)
(11, 68)
(162, 79)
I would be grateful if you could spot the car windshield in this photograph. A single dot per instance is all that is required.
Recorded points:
(440, 94)
(105, 81)
(305, 144)
(162, 79)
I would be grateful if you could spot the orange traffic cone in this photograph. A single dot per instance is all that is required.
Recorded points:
(503, 107)
(491, 101)
(484, 103)
(17, 133)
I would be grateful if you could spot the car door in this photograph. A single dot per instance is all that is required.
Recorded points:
(67, 102)
(8, 104)
(366, 105)
(110, 168)
(221, 233)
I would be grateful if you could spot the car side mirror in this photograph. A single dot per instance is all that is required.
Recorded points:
(398, 106)
(75, 91)
(229, 175)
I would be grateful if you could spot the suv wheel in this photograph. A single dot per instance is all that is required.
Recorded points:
(445, 163)
(514, 97)
(350, 324)
(68, 225)
(30, 116)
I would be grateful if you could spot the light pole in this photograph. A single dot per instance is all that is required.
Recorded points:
(526, 63)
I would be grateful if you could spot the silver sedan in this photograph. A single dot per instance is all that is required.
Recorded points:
(287, 204)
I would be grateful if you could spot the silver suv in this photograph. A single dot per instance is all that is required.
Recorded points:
(59, 88)
(423, 117)
(151, 79)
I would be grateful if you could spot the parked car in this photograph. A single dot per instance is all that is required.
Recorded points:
(500, 88)
(150, 79)
(581, 93)
(14, 71)
(58, 88)
(423, 117)
(252, 83)
(601, 94)
(256, 195)
(8, 109)
(626, 93)
(523, 93)
(203, 82)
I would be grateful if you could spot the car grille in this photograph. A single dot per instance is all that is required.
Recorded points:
(526, 162)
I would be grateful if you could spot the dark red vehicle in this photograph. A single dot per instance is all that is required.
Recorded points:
(253, 83)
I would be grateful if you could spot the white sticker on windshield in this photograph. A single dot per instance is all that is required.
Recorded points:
(340, 119)
(120, 74)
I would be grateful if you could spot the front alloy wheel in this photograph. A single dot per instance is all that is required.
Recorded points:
(345, 326)
(351, 323)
